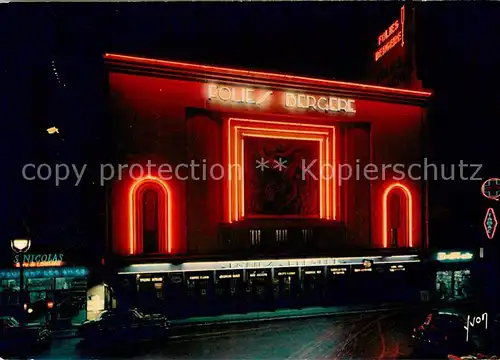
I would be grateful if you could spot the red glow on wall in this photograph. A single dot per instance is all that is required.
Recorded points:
(137, 218)
(386, 216)
(239, 129)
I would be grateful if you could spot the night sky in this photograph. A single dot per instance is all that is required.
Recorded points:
(458, 57)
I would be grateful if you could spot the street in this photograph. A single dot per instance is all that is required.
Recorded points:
(382, 335)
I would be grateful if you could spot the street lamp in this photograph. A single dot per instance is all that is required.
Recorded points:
(20, 246)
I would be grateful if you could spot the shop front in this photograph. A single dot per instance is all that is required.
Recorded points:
(202, 288)
(453, 276)
(52, 290)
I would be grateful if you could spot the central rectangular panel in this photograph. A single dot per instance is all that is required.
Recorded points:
(281, 177)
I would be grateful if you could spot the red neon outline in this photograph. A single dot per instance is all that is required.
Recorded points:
(133, 213)
(235, 190)
(409, 213)
(495, 223)
(239, 203)
(402, 13)
(272, 76)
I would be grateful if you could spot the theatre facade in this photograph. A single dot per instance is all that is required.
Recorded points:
(258, 187)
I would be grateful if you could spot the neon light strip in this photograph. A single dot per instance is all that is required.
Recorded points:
(409, 213)
(495, 223)
(132, 217)
(264, 264)
(288, 137)
(271, 76)
(327, 204)
(402, 12)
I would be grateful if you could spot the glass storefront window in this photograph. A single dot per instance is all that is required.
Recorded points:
(453, 285)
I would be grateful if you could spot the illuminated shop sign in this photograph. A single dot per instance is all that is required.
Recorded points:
(490, 223)
(263, 264)
(313, 272)
(491, 189)
(258, 274)
(319, 103)
(391, 37)
(338, 271)
(287, 273)
(45, 272)
(257, 97)
(202, 277)
(238, 95)
(454, 256)
(229, 276)
(39, 260)
(147, 280)
(396, 268)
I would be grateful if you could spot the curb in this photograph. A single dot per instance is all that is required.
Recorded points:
(276, 318)
(74, 334)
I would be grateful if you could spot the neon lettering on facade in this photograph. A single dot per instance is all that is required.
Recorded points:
(39, 260)
(409, 213)
(391, 37)
(238, 95)
(165, 210)
(319, 103)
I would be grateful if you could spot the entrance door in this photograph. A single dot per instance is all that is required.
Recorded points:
(288, 288)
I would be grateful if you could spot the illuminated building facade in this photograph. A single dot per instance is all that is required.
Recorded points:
(244, 164)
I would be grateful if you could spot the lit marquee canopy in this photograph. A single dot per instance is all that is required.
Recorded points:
(264, 264)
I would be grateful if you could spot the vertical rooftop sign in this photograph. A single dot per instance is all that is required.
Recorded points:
(393, 60)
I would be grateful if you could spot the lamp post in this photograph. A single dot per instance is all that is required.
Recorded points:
(21, 246)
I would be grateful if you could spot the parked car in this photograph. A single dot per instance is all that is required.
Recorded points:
(124, 327)
(442, 333)
(21, 340)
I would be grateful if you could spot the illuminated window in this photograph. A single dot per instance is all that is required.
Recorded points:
(281, 236)
(255, 237)
(397, 213)
(149, 217)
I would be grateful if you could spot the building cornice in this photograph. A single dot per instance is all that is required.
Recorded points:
(208, 73)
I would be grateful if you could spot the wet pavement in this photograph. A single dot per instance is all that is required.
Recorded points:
(383, 335)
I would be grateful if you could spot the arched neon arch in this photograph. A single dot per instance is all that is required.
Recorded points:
(409, 212)
(164, 208)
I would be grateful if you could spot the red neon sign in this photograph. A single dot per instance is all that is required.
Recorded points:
(392, 36)
(409, 211)
(490, 223)
(165, 213)
(491, 189)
